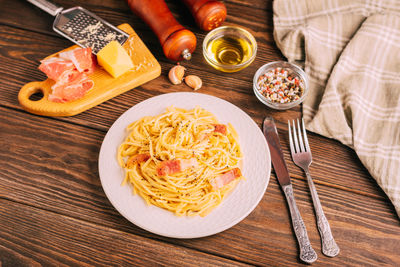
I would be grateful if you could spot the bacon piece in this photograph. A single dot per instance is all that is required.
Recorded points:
(204, 136)
(82, 58)
(176, 165)
(225, 178)
(54, 67)
(168, 167)
(220, 128)
(138, 158)
(70, 86)
(188, 163)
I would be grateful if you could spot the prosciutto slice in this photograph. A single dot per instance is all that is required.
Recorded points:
(71, 85)
(54, 67)
(82, 58)
(69, 71)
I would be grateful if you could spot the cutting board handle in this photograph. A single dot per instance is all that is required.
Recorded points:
(42, 106)
(29, 104)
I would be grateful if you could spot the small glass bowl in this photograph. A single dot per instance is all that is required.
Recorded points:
(229, 31)
(296, 71)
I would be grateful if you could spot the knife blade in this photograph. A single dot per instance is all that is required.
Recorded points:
(307, 253)
(271, 134)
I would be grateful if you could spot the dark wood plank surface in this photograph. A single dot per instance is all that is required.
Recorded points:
(53, 210)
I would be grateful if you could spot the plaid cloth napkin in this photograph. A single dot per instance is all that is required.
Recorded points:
(350, 51)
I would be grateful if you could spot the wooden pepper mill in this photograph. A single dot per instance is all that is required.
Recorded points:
(208, 14)
(177, 42)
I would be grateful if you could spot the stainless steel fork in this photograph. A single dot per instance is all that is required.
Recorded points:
(301, 155)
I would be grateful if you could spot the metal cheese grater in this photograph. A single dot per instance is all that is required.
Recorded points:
(81, 26)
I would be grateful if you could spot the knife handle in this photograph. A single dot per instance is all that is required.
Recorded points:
(307, 253)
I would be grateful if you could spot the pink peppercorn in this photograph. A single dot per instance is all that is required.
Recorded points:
(280, 85)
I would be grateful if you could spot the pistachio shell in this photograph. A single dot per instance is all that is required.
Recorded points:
(193, 81)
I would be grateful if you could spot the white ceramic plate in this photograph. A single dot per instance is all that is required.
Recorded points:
(243, 199)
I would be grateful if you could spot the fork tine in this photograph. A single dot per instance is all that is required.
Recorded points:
(305, 135)
(296, 142)
(290, 139)
(300, 137)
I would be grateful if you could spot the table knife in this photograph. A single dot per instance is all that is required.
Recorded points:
(307, 253)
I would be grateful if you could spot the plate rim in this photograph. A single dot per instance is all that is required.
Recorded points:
(197, 234)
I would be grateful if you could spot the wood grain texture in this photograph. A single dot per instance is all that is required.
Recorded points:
(53, 210)
(59, 240)
(335, 166)
(63, 179)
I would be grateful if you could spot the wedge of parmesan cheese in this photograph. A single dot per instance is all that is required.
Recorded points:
(114, 59)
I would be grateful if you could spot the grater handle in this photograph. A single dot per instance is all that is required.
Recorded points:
(47, 6)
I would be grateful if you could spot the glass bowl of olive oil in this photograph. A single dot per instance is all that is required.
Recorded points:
(229, 48)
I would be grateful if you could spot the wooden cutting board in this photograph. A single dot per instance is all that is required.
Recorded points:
(146, 68)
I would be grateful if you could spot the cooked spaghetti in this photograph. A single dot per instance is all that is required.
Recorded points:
(184, 161)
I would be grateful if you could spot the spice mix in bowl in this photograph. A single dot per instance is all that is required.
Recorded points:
(280, 85)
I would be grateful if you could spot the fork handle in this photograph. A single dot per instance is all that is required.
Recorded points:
(307, 253)
(329, 246)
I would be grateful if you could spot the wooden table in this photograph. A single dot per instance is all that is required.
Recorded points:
(53, 210)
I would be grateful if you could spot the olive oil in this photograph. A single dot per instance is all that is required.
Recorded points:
(229, 51)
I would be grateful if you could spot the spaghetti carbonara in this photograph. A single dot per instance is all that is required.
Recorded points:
(184, 161)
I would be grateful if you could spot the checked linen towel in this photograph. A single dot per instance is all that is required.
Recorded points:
(350, 51)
